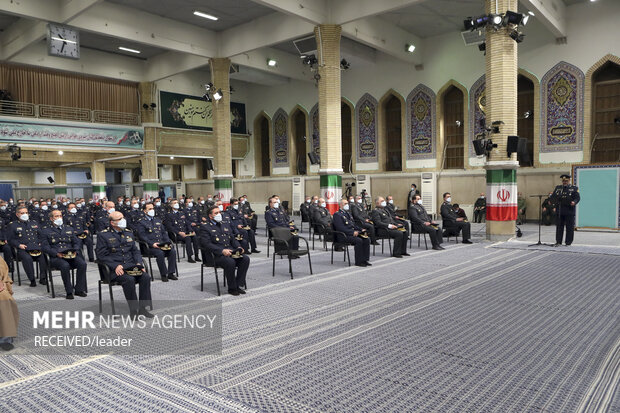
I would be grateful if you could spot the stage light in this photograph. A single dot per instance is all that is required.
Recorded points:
(458, 123)
(205, 15)
(512, 17)
(527, 114)
(271, 63)
(496, 19)
(15, 151)
(153, 105)
(60, 153)
(483, 47)
(206, 97)
(344, 65)
(468, 24)
(410, 48)
(517, 36)
(218, 95)
(208, 86)
(145, 106)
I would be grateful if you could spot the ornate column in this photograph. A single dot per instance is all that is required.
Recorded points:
(501, 105)
(60, 183)
(97, 171)
(328, 48)
(149, 178)
(220, 68)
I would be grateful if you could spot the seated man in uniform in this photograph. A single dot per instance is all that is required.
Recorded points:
(385, 223)
(521, 208)
(242, 226)
(60, 242)
(77, 221)
(362, 218)
(452, 224)
(460, 212)
(25, 236)
(218, 238)
(102, 217)
(274, 217)
(421, 222)
(480, 208)
(117, 249)
(391, 209)
(343, 222)
(179, 224)
(248, 212)
(152, 231)
(321, 218)
(548, 211)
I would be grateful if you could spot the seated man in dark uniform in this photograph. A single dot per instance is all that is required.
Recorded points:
(25, 236)
(102, 217)
(565, 197)
(384, 223)
(60, 242)
(452, 224)
(218, 238)
(179, 224)
(242, 226)
(480, 208)
(117, 249)
(304, 210)
(77, 221)
(321, 217)
(152, 231)
(391, 209)
(274, 217)
(362, 218)
(248, 212)
(421, 222)
(548, 211)
(343, 222)
(5, 247)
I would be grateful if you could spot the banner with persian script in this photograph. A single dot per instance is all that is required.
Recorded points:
(193, 112)
(59, 133)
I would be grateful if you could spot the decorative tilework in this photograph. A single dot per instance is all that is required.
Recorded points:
(366, 121)
(421, 123)
(280, 138)
(316, 140)
(477, 107)
(562, 100)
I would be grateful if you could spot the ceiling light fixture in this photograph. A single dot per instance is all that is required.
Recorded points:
(172, 157)
(410, 48)
(218, 95)
(129, 50)
(60, 152)
(271, 63)
(531, 13)
(205, 15)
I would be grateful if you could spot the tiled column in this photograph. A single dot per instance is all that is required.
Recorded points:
(328, 45)
(501, 105)
(97, 171)
(60, 183)
(149, 178)
(221, 129)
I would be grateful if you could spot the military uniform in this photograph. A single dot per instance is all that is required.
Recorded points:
(56, 240)
(548, 213)
(29, 234)
(77, 221)
(480, 208)
(116, 248)
(274, 217)
(521, 209)
(382, 219)
(391, 209)
(249, 237)
(322, 220)
(152, 231)
(102, 220)
(5, 247)
(216, 237)
(360, 216)
(451, 225)
(419, 217)
(177, 222)
(343, 222)
(248, 213)
(565, 212)
(305, 212)
(133, 218)
(411, 196)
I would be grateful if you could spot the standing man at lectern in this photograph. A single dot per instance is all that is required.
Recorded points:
(565, 197)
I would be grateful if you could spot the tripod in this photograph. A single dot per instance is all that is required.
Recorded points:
(539, 220)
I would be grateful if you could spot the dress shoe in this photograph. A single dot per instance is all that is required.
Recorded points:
(368, 264)
(164, 279)
(233, 292)
(81, 294)
(375, 243)
(240, 291)
(43, 281)
(441, 248)
(467, 242)
(197, 259)
(172, 277)
(437, 248)
(406, 254)
(190, 260)
(33, 283)
(255, 251)
(7, 346)
(69, 297)
(568, 245)
(91, 260)
(397, 256)
(145, 313)
(361, 265)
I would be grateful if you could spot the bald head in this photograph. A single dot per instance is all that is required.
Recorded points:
(116, 216)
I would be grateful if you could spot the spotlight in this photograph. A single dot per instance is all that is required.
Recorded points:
(60, 153)
(512, 17)
(479, 146)
(468, 24)
(344, 65)
(145, 106)
(15, 151)
(218, 95)
(208, 86)
(517, 36)
(458, 123)
(271, 63)
(483, 47)
(310, 60)
(531, 13)
(496, 20)
(153, 105)
(172, 157)
(410, 48)
(206, 97)
(527, 114)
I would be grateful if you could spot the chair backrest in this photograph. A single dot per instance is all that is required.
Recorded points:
(285, 205)
(281, 234)
(208, 260)
(104, 272)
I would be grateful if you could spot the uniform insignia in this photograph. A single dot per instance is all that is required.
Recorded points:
(129, 239)
(217, 239)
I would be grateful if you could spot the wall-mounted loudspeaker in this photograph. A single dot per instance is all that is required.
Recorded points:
(50, 179)
(209, 164)
(89, 176)
(512, 144)
(314, 158)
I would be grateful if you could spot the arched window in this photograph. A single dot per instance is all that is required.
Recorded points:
(525, 117)
(298, 129)
(393, 134)
(606, 114)
(346, 136)
(261, 146)
(453, 128)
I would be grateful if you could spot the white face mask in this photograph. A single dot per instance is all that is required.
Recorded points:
(346, 207)
(175, 206)
(190, 204)
(3, 208)
(276, 205)
(122, 224)
(383, 204)
(36, 206)
(481, 197)
(64, 203)
(157, 204)
(351, 200)
(23, 217)
(419, 202)
(44, 207)
(218, 218)
(128, 203)
(135, 206)
(449, 199)
(221, 207)
(235, 206)
(308, 201)
(111, 210)
(392, 201)
(210, 199)
(323, 204)
(58, 221)
(73, 210)
(55, 206)
(243, 202)
(316, 202)
(202, 202)
(359, 201)
(151, 213)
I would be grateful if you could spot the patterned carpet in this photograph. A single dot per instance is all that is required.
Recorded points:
(473, 328)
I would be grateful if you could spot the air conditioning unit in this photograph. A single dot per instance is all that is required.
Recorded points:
(306, 45)
(298, 193)
(474, 37)
(428, 191)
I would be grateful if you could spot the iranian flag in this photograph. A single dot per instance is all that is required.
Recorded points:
(502, 195)
(331, 190)
(224, 190)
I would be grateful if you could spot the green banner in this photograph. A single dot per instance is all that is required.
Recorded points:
(222, 183)
(56, 133)
(499, 176)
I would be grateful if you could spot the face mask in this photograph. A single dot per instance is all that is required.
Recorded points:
(481, 197)
(419, 202)
(449, 199)
(351, 200)
(151, 213)
(175, 206)
(323, 204)
(73, 210)
(36, 206)
(128, 203)
(58, 221)
(221, 207)
(383, 204)
(11, 202)
(90, 202)
(23, 217)
(190, 204)
(316, 202)
(157, 204)
(210, 199)
(235, 206)
(308, 201)
(135, 206)
(55, 206)
(3, 208)
(276, 205)
(202, 202)
(218, 218)
(64, 203)
(122, 224)
(359, 201)
(346, 207)
(392, 201)
(44, 207)
(142, 202)
(111, 210)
